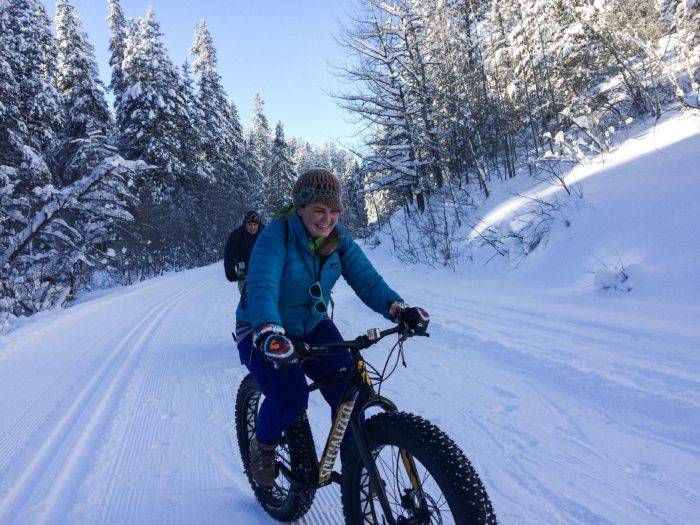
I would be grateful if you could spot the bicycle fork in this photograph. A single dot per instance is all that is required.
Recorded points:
(368, 460)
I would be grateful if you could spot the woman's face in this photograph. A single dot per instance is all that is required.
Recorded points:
(318, 219)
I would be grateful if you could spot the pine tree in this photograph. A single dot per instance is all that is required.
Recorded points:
(118, 26)
(191, 126)
(149, 111)
(219, 131)
(258, 147)
(47, 44)
(355, 214)
(78, 77)
(152, 118)
(281, 174)
(31, 59)
(13, 129)
(223, 154)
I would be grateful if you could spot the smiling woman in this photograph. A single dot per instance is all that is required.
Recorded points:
(316, 197)
(293, 268)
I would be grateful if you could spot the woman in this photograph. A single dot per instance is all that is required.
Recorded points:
(294, 265)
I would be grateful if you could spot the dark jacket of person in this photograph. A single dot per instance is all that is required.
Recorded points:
(238, 248)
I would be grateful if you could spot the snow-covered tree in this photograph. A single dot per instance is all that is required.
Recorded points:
(396, 96)
(118, 25)
(78, 77)
(225, 190)
(43, 263)
(258, 147)
(13, 129)
(355, 214)
(281, 174)
(219, 132)
(31, 59)
(688, 23)
(150, 111)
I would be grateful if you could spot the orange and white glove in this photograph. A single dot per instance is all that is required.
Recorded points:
(276, 347)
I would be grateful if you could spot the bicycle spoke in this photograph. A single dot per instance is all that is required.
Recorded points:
(404, 500)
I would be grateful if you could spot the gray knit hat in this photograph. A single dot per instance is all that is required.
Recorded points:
(317, 185)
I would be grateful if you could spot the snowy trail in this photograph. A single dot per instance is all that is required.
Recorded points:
(120, 409)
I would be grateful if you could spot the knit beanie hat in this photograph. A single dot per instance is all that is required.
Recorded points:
(251, 216)
(317, 185)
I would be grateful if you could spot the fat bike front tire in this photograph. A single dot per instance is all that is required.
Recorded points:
(286, 501)
(451, 491)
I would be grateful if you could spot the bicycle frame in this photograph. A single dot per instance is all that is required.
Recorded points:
(358, 397)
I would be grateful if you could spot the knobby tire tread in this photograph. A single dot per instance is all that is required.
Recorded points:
(301, 450)
(446, 463)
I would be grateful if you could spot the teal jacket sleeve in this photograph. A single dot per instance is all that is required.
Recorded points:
(264, 274)
(364, 279)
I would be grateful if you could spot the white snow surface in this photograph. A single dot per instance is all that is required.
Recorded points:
(575, 404)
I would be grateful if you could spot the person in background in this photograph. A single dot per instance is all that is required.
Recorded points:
(239, 246)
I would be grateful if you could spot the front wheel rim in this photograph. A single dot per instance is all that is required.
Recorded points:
(426, 506)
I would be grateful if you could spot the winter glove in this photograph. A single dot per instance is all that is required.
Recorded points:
(415, 318)
(240, 269)
(277, 348)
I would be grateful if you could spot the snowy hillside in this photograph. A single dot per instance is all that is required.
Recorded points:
(575, 405)
(639, 211)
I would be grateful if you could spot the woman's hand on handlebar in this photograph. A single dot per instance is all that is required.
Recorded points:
(276, 347)
(414, 318)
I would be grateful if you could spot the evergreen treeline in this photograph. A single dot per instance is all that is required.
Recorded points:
(90, 195)
(459, 93)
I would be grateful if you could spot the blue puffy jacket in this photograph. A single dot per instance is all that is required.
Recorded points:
(282, 267)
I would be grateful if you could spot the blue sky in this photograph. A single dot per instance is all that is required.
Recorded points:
(279, 48)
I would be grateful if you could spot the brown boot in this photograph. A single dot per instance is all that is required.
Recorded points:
(262, 463)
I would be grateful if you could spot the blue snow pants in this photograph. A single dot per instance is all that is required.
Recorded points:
(285, 388)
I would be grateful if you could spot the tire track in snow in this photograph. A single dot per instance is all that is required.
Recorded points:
(97, 397)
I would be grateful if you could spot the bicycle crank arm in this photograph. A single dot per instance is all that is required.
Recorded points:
(303, 485)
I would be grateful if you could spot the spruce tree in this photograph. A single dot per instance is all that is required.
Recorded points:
(13, 129)
(31, 59)
(78, 77)
(118, 26)
(149, 110)
(221, 145)
(150, 119)
(220, 139)
(281, 175)
(355, 214)
(258, 146)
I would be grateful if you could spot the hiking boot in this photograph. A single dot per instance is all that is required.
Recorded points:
(263, 467)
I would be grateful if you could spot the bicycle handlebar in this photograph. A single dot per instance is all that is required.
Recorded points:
(359, 343)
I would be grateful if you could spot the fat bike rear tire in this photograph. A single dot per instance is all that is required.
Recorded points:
(286, 501)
